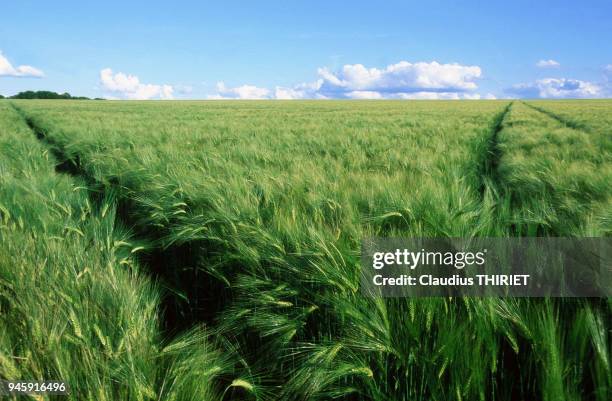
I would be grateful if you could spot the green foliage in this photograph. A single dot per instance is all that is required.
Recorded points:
(74, 305)
(557, 178)
(264, 205)
(47, 95)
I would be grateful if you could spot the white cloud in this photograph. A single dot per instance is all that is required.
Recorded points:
(402, 77)
(129, 87)
(424, 95)
(558, 88)
(240, 92)
(403, 80)
(300, 91)
(548, 64)
(7, 69)
(430, 96)
(364, 95)
(288, 93)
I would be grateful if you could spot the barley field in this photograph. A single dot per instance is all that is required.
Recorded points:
(209, 250)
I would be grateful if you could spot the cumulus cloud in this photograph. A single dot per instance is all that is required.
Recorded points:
(309, 90)
(403, 80)
(424, 95)
(402, 77)
(477, 96)
(240, 92)
(125, 86)
(288, 93)
(548, 64)
(430, 96)
(364, 95)
(558, 88)
(7, 69)
(300, 91)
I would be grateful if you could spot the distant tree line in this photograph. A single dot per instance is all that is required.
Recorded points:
(46, 95)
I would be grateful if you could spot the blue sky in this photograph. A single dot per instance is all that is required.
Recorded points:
(309, 49)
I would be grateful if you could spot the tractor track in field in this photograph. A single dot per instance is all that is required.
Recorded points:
(65, 165)
(178, 263)
(489, 169)
(565, 121)
(168, 266)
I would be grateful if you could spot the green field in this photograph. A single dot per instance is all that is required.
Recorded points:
(210, 250)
